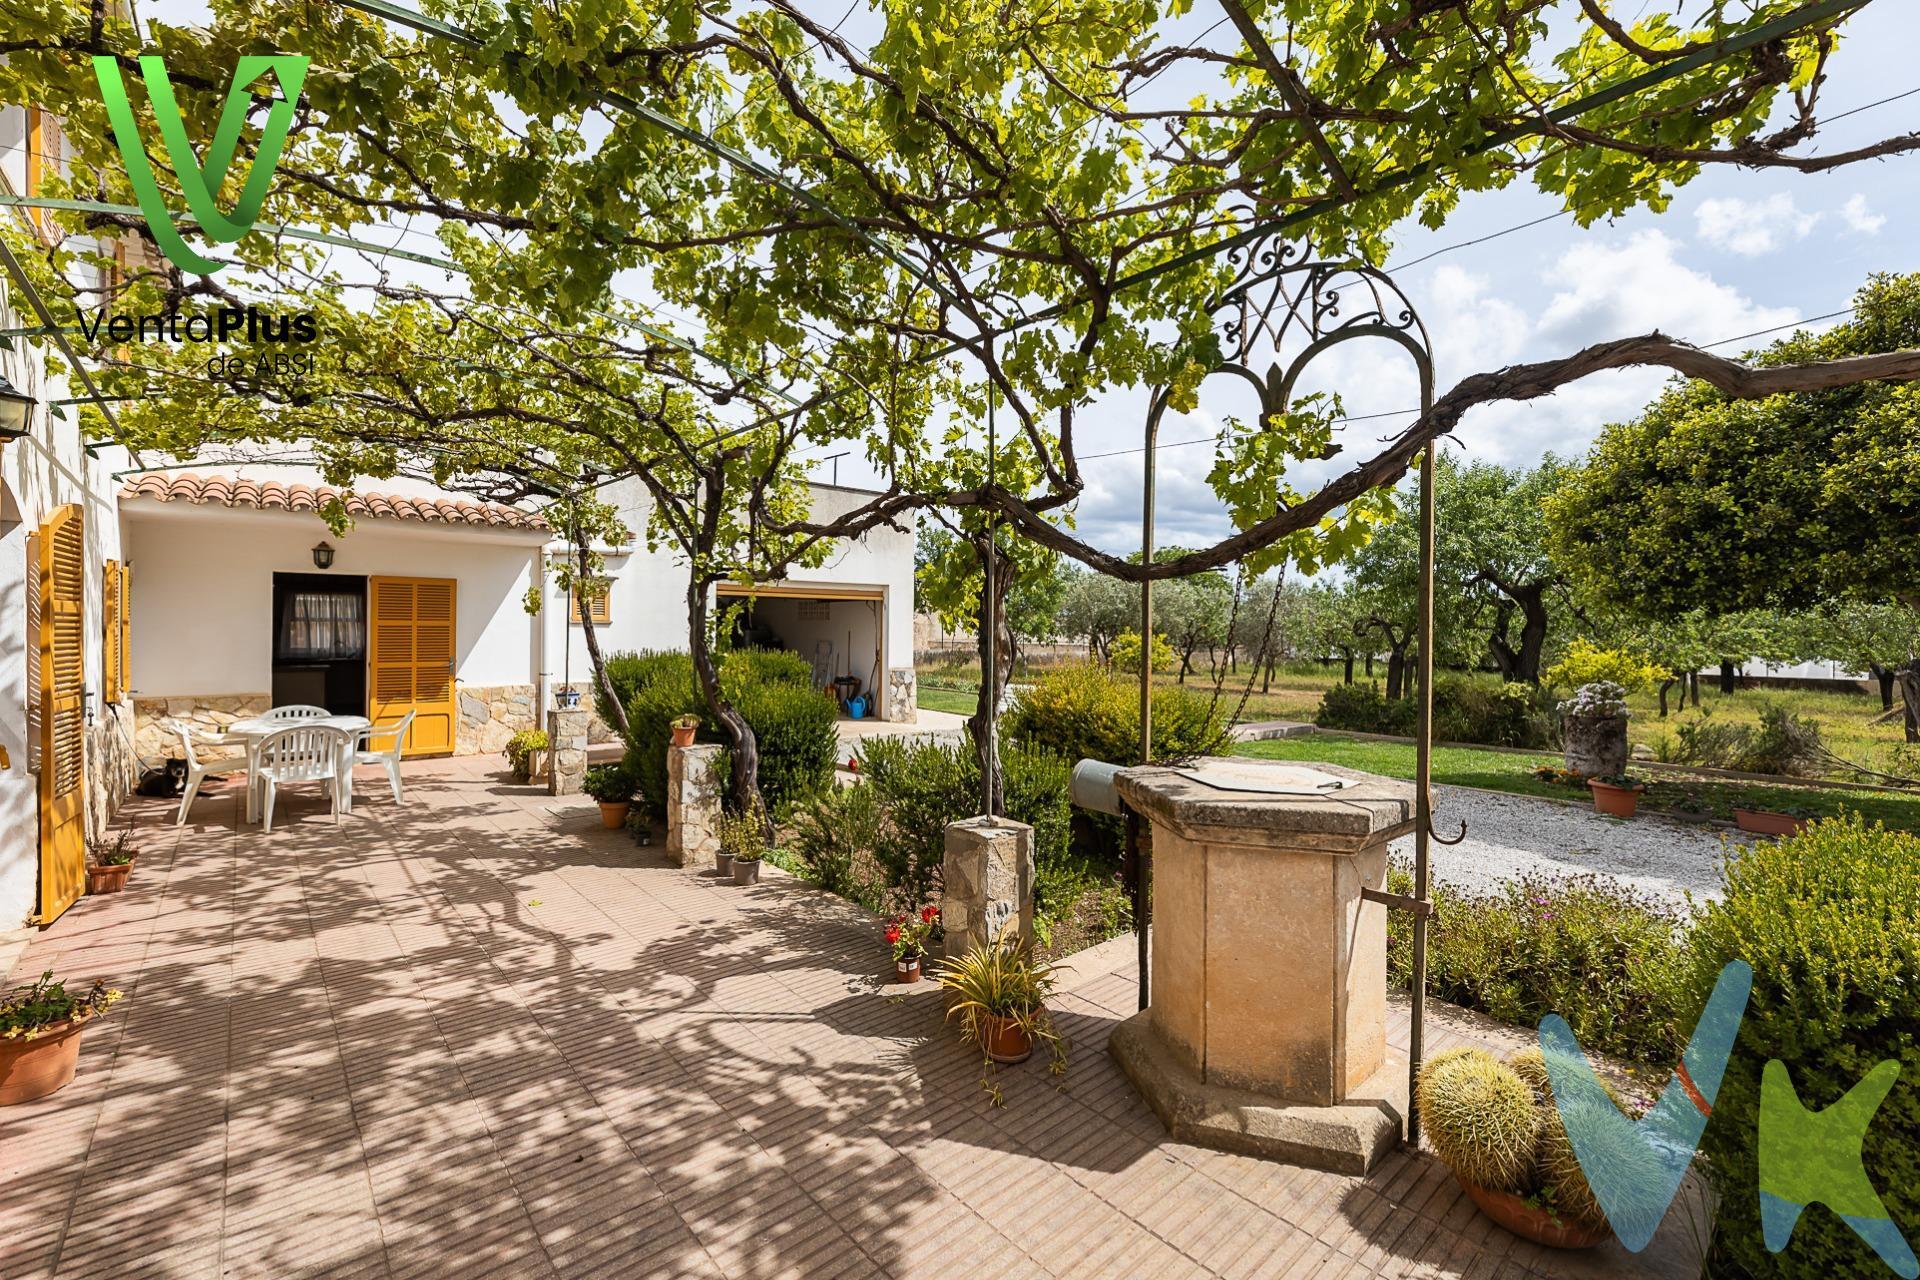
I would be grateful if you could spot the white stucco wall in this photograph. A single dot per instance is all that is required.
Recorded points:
(647, 601)
(203, 591)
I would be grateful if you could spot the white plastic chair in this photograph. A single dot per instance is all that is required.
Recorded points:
(387, 758)
(304, 753)
(295, 711)
(197, 770)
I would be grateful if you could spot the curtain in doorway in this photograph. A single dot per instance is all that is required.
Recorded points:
(319, 626)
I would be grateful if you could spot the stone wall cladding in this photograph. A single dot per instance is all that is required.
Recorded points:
(598, 730)
(491, 714)
(567, 751)
(693, 804)
(903, 702)
(210, 714)
(111, 768)
(987, 882)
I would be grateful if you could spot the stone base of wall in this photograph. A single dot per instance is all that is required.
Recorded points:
(209, 714)
(491, 714)
(111, 769)
(903, 700)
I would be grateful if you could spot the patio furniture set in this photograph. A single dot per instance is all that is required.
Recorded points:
(295, 744)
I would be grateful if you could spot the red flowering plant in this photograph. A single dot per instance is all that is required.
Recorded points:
(908, 934)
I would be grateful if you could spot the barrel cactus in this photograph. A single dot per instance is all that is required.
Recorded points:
(1560, 1172)
(1481, 1117)
(1531, 1066)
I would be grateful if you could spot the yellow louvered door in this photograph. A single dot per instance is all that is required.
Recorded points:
(63, 712)
(410, 660)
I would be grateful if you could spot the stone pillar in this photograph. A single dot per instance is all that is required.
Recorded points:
(903, 701)
(694, 791)
(988, 873)
(566, 751)
(1267, 1028)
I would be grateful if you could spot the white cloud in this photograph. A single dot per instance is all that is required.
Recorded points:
(1617, 290)
(1752, 227)
(1860, 217)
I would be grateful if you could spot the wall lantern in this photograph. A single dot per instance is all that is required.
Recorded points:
(16, 407)
(323, 556)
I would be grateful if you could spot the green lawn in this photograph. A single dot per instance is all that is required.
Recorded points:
(1500, 771)
(960, 702)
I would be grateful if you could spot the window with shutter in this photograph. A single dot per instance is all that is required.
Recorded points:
(597, 608)
(62, 652)
(126, 631)
(110, 622)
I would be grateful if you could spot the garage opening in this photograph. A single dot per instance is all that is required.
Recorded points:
(840, 631)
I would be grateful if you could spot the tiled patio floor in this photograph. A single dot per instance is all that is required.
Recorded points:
(478, 1036)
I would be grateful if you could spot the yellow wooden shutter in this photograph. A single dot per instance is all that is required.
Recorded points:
(410, 660)
(597, 608)
(63, 751)
(32, 648)
(110, 620)
(126, 631)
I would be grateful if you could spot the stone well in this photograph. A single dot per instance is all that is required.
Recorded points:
(1266, 1031)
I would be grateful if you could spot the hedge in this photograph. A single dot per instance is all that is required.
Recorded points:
(1083, 713)
(1465, 709)
(1827, 919)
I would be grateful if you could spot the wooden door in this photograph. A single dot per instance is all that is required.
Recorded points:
(63, 712)
(410, 660)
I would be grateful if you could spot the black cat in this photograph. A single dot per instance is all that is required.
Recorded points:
(166, 782)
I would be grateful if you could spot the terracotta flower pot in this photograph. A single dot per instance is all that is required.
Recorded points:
(1615, 802)
(103, 878)
(34, 1068)
(683, 735)
(1537, 1225)
(907, 970)
(746, 871)
(614, 816)
(1005, 1040)
(1765, 823)
(722, 863)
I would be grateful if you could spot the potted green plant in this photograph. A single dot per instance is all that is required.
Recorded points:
(1496, 1126)
(684, 727)
(526, 754)
(40, 1028)
(1000, 993)
(1615, 794)
(109, 861)
(1788, 820)
(613, 786)
(743, 843)
(908, 934)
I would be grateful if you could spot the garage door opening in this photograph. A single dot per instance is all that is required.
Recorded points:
(840, 631)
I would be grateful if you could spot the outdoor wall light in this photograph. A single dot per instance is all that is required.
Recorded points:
(16, 407)
(323, 556)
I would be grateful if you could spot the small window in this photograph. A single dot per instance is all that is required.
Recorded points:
(597, 608)
(816, 610)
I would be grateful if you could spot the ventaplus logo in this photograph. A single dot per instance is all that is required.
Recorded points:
(200, 177)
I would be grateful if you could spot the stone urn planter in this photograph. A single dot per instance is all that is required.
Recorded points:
(1596, 745)
(1530, 1223)
(1616, 799)
(1761, 822)
(109, 877)
(746, 871)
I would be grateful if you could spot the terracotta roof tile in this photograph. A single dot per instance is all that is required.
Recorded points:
(276, 495)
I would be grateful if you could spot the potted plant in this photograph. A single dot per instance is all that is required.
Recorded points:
(1000, 992)
(742, 844)
(1615, 794)
(40, 1028)
(1788, 820)
(908, 934)
(1593, 729)
(109, 861)
(684, 727)
(613, 786)
(639, 827)
(525, 753)
(1496, 1126)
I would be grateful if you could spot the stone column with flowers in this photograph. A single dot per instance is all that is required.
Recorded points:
(1594, 730)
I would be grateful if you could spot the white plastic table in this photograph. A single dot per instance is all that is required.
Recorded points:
(254, 730)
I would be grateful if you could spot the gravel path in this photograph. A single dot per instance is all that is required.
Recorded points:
(1512, 836)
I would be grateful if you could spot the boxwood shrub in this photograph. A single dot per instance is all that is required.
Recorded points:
(1827, 920)
(1084, 713)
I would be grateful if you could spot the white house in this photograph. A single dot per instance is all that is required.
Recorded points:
(65, 717)
(244, 599)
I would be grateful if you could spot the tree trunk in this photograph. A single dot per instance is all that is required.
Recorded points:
(1693, 688)
(1396, 671)
(1885, 675)
(1349, 679)
(1908, 678)
(1665, 685)
(1350, 667)
(1727, 673)
(600, 676)
(1533, 631)
(986, 703)
(742, 747)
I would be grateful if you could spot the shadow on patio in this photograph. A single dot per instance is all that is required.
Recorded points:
(480, 1035)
